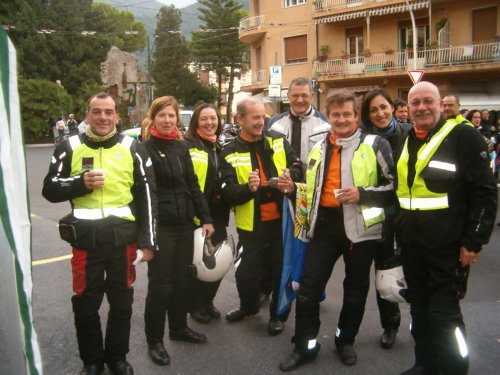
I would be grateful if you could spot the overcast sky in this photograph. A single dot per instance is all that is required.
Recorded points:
(177, 3)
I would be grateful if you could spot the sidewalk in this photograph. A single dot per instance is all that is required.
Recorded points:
(33, 145)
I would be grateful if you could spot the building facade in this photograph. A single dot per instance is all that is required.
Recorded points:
(363, 44)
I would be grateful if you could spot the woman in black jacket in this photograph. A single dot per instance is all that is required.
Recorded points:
(179, 200)
(377, 118)
(201, 139)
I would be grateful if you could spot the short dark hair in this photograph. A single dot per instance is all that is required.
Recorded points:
(457, 99)
(365, 107)
(398, 102)
(101, 95)
(300, 81)
(471, 113)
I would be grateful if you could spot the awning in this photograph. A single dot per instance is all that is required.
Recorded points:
(379, 11)
(480, 101)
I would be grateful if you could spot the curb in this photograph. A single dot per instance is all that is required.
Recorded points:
(39, 145)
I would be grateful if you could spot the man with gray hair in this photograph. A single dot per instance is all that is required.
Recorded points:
(448, 202)
(302, 125)
(257, 168)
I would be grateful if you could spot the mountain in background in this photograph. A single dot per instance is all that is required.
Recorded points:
(146, 12)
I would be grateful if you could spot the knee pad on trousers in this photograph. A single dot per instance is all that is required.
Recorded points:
(306, 302)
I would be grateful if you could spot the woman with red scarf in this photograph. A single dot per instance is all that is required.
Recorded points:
(201, 139)
(179, 201)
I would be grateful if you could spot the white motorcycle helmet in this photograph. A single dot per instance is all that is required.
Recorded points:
(211, 263)
(390, 281)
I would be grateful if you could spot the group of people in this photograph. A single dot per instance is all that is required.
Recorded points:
(71, 127)
(377, 187)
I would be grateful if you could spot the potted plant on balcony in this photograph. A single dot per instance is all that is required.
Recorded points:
(344, 54)
(388, 50)
(367, 52)
(324, 50)
(440, 24)
(318, 4)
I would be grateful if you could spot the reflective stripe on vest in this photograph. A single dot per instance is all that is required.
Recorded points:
(95, 214)
(312, 179)
(114, 197)
(419, 197)
(364, 173)
(242, 164)
(200, 164)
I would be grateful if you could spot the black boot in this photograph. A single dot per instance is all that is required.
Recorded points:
(212, 311)
(159, 354)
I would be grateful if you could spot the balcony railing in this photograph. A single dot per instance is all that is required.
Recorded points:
(404, 60)
(250, 23)
(320, 5)
(259, 77)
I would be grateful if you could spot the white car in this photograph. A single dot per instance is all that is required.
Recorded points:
(132, 132)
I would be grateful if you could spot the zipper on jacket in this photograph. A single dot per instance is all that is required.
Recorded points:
(102, 189)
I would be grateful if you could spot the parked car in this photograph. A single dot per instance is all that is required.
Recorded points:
(133, 132)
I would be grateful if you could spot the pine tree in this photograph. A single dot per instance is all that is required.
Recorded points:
(171, 58)
(218, 45)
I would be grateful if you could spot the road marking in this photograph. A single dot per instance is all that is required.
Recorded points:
(51, 260)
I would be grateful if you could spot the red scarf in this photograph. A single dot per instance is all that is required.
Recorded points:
(420, 133)
(209, 138)
(155, 133)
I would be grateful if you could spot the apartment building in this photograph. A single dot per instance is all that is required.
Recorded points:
(363, 44)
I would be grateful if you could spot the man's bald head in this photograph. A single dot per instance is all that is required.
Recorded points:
(425, 104)
(451, 106)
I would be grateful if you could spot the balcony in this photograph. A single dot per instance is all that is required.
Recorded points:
(260, 80)
(326, 5)
(328, 11)
(252, 28)
(463, 57)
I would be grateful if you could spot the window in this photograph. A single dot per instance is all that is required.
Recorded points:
(296, 49)
(292, 3)
(406, 33)
(354, 44)
(484, 24)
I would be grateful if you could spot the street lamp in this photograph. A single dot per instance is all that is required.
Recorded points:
(150, 52)
(415, 52)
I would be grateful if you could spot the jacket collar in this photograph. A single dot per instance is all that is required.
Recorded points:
(305, 116)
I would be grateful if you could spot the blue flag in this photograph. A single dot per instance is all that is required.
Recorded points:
(294, 249)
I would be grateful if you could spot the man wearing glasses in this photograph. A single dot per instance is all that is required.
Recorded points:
(448, 201)
(302, 125)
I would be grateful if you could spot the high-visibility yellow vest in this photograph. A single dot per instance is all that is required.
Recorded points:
(200, 164)
(242, 164)
(418, 197)
(114, 197)
(364, 172)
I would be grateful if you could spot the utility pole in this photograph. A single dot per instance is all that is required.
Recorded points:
(150, 52)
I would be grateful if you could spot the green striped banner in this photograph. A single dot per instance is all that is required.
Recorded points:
(19, 347)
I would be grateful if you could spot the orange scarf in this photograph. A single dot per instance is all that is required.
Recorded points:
(420, 133)
(209, 138)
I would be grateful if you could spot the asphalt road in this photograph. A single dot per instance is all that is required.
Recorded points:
(244, 347)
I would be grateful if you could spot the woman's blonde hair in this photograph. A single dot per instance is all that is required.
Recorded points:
(158, 105)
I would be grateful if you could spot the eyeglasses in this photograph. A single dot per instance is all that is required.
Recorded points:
(303, 96)
(426, 101)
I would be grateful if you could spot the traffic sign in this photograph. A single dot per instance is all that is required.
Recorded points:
(415, 75)
(274, 91)
(275, 75)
